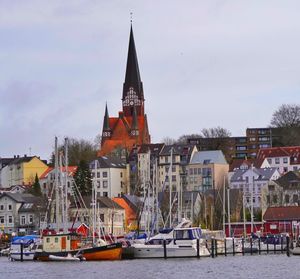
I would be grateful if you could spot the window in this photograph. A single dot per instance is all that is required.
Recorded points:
(56, 239)
(121, 174)
(191, 171)
(287, 198)
(295, 198)
(98, 184)
(263, 139)
(10, 219)
(2, 207)
(48, 239)
(285, 169)
(295, 168)
(23, 219)
(30, 219)
(195, 171)
(173, 178)
(98, 174)
(241, 148)
(105, 184)
(274, 198)
(167, 168)
(252, 139)
(277, 160)
(105, 194)
(269, 161)
(285, 160)
(173, 168)
(2, 221)
(9, 207)
(199, 171)
(206, 171)
(104, 174)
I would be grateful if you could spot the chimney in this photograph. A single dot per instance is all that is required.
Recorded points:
(25, 155)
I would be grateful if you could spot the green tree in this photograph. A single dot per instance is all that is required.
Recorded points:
(36, 187)
(78, 150)
(83, 178)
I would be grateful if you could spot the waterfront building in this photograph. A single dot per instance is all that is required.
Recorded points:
(143, 166)
(110, 176)
(130, 128)
(285, 191)
(207, 170)
(22, 171)
(251, 181)
(20, 213)
(47, 179)
(110, 215)
(285, 158)
(177, 175)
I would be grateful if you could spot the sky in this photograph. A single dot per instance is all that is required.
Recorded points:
(203, 63)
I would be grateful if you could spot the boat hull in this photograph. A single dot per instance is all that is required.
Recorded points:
(103, 253)
(157, 251)
(27, 256)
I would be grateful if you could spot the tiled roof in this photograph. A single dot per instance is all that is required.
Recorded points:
(263, 174)
(104, 202)
(121, 134)
(178, 149)
(237, 163)
(108, 162)
(288, 213)
(71, 171)
(289, 180)
(154, 148)
(208, 157)
(286, 151)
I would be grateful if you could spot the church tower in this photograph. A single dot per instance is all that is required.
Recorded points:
(130, 128)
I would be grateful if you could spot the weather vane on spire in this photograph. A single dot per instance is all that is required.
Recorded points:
(131, 17)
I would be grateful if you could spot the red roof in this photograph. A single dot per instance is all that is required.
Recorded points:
(71, 171)
(282, 213)
(121, 128)
(285, 151)
(237, 163)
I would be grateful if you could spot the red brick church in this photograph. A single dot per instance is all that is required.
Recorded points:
(130, 127)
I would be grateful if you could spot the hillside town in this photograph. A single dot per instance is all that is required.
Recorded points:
(143, 186)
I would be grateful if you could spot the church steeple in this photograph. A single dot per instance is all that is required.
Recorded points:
(106, 132)
(134, 124)
(133, 94)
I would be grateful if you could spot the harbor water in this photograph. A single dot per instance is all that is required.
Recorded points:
(264, 266)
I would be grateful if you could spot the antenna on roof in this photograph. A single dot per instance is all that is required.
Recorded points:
(131, 13)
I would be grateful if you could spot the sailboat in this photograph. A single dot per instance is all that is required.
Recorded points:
(66, 245)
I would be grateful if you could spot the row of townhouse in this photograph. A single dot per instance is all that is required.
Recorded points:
(20, 170)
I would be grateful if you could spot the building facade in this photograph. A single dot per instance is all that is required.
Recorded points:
(110, 176)
(207, 170)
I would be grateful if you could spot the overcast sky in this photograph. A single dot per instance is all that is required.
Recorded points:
(203, 64)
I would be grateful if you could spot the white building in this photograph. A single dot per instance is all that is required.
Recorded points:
(109, 176)
(47, 179)
(283, 158)
(252, 180)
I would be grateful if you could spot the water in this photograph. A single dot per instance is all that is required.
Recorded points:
(264, 266)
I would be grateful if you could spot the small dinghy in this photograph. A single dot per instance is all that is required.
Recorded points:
(69, 257)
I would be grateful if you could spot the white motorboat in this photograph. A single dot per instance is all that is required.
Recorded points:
(28, 252)
(182, 244)
(69, 257)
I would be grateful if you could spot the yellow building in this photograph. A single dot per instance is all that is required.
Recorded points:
(22, 171)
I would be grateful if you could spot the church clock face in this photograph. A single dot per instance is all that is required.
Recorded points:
(131, 98)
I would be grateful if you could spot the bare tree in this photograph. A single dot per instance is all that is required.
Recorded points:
(168, 141)
(217, 132)
(286, 116)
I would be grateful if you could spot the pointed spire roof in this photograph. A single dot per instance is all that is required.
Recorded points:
(132, 76)
(106, 120)
(134, 125)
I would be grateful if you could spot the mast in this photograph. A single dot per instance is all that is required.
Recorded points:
(61, 192)
(57, 217)
(170, 188)
(66, 183)
(224, 206)
(229, 223)
(244, 215)
(252, 189)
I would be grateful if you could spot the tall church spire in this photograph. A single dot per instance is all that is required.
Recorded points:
(106, 132)
(133, 94)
